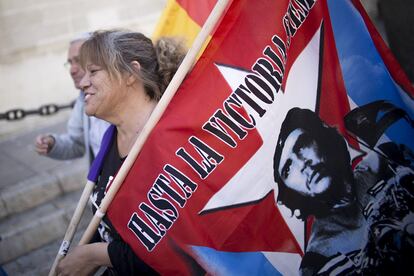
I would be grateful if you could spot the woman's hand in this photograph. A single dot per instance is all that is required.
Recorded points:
(84, 260)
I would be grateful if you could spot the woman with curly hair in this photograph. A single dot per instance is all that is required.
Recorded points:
(126, 75)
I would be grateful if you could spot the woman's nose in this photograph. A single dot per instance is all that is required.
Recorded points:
(85, 82)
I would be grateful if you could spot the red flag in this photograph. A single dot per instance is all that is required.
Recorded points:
(203, 187)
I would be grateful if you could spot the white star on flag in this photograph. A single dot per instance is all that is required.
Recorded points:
(255, 179)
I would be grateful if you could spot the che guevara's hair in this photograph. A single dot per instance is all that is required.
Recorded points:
(115, 50)
(308, 121)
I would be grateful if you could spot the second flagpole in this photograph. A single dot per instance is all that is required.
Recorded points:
(182, 71)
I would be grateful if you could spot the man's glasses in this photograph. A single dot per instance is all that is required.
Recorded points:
(70, 62)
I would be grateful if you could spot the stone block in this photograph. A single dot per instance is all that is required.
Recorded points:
(30, 193)
(69, 202)
(26, 237)
(12, 170)
(12, 224)
(39, 261)
(3, 210)
(73, 176)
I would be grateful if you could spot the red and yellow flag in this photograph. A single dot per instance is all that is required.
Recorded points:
(183, 18)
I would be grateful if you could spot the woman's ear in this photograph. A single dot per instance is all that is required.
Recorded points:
(132, 78)
(135, 64)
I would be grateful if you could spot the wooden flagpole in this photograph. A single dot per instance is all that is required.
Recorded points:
(185, 67)
(73, 224)
(176, 81)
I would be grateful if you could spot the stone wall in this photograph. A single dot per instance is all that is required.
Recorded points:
(34, 38)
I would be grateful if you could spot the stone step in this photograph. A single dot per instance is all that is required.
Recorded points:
(33, 191)
(34, 228)
(38, 262)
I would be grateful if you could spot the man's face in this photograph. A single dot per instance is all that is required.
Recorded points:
(302, 166)
(76, 71)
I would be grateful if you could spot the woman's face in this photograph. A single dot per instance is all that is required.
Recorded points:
(102, 93)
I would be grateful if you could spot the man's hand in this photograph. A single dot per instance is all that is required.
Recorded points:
(44, 143)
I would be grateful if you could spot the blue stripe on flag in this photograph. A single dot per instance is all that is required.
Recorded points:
(366, 77)
(234, 263)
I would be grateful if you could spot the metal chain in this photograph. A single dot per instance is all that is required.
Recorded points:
(44, 110)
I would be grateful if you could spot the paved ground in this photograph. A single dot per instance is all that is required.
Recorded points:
(37, 199)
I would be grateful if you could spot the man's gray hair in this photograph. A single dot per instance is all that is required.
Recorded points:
(81, 37)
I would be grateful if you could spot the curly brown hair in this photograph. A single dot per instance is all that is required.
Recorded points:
(115, 50)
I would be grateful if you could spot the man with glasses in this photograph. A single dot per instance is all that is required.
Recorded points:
(84, 134)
